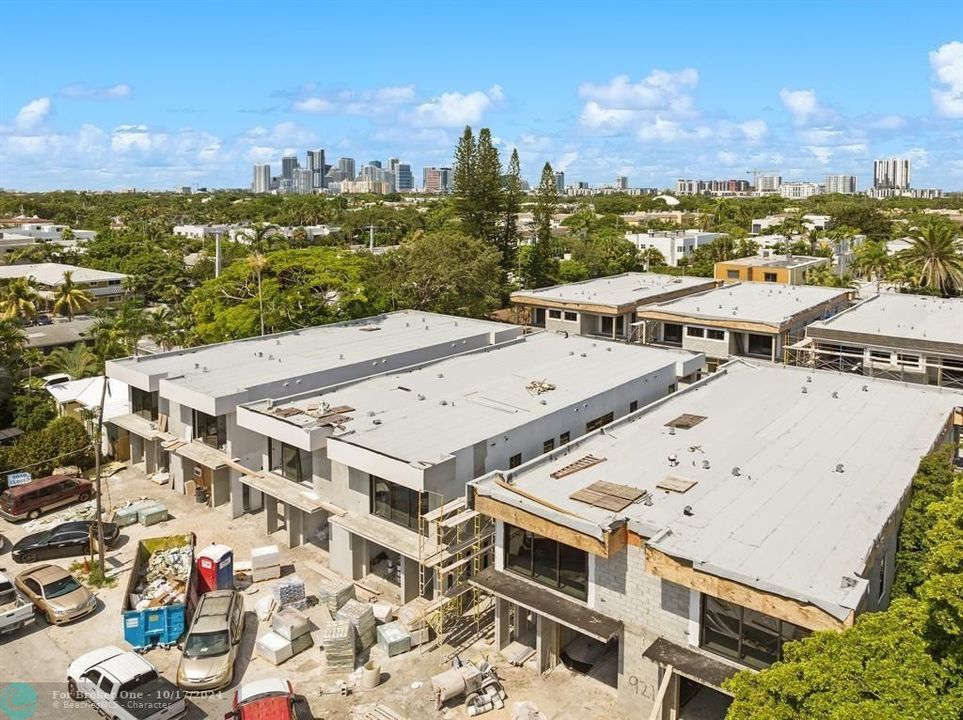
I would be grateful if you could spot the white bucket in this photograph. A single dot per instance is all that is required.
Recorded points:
(370, 675)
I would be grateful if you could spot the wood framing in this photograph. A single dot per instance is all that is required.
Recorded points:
(679, 319)
(682, 573)
(613, 542)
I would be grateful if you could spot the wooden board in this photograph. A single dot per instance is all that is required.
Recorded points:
(676, 484)
(580, 464)
(609, 496)
(682, 573)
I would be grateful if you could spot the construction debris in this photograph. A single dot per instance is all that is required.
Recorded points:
(361, 617)
(164, 579)
(338, 641)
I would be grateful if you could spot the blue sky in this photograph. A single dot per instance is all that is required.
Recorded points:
(162, 94)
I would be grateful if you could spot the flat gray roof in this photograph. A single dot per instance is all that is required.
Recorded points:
(424, 414)
(53, 273)
(911, 317)
(761, 302)
(229, 368)
(60, 332)
(768, 508)
(776, 261)
(615, 290)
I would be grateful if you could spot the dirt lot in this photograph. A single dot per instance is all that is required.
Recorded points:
(40, 654)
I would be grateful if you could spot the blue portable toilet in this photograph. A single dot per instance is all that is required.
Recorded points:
(215, 568)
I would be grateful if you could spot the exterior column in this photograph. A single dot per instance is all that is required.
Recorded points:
(409, 579)
(271, 510)
(294, 520)
(502, 624)
(546, 640)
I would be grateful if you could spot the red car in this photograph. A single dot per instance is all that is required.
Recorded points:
(269, 699)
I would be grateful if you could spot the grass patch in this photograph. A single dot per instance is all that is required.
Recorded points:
(91, 574)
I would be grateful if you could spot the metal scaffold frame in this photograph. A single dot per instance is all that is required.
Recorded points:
(855, 360)
(454, 543)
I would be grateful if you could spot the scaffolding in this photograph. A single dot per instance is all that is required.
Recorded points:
(877, 362)
(454, 543)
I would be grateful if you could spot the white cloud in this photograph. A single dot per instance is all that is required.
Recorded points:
(729, 159)
(453, 109)
(563, 163)
(888, 122)
(801, 104)
(822, 154)
(351, 102)
(947, 65)
(32, 114)
(314, 105)
(919, 156)
(660, 89)
(753, 129)
(120, 91)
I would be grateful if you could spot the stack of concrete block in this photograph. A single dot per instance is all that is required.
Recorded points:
(335, 593)
(265, 563)
(393, 638)
(274, 648)
(289, 592)
(361, 617)
(338, 641)
(412, 618)
(293, 627)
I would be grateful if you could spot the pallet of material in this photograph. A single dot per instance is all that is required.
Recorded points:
(381, 712)
(394, 639)
(274, 648)
(333, 593)
(361, 617)
(338, 641)
(289, 592)
(152, 514)
(272, 572)
(301, 643)
(412, 614)
(266, 556)
(290, 624)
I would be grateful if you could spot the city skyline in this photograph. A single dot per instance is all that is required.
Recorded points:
(680, 102)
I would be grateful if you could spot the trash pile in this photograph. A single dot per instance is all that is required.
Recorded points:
(83, 511)
(163, 580)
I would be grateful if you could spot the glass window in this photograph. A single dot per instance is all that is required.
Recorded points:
(620, 325)
(514, 461)
(881, 355)
(672, 333)
(769, 277)
(760, 345)
(599, 422)
(743, 634)
(633, 406)
(210, 430)
(555, 314)
(732, 274)
(289, 462)
(546, 561)
(607, 325)
(396, 503)
(143, 403)
(564, 438)
(571, 316)
(905, 359)
(695, 331)
(713, 334)
(548, 445)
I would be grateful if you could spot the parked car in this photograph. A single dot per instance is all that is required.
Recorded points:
(268, 699)
(211, 644)
(123, 686)
(15, 610)
(30, 501)
(56, 594)
(64, 540)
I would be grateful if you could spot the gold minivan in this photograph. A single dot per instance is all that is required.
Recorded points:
(211, 645)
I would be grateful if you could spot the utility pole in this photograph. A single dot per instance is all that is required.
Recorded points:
(100, 509)
(371, 244)
(217, 254)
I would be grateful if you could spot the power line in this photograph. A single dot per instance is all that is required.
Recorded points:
(88, 446)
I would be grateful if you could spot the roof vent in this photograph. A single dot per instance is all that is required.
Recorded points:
(371, 413)
(341, 356)
(647, 501)
(376, 421)
(705, 464)
(804, 390)
(809, 378)
(420, 396)
(672, 430)
(443, 402)
(840, 468)
(673, 460)
(865, 388)
(441, 375)
(736, 471)
(835, 395)
(687, 511)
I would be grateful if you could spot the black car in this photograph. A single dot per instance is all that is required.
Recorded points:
(63, 540)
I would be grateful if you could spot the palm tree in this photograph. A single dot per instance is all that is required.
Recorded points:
(872, 261)
(77, 361)
(257, 263)
(935, 257)
(69, 298)
(19, 299)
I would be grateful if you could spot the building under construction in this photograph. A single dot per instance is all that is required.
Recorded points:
(386, 460)
(912, 338)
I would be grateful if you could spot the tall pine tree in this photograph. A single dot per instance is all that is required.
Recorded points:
(538, 264)
(465, 183)
(508, 239)
(488, 185)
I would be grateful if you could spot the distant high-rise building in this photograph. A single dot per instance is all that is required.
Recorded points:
(303, 181)
(289, 163)
(621, 182)
(404, 180)
(393, 164)
(768, 183)
(375, 163)
(346, 166)
(262, 179)
(799, 190)
(844, 184)
(560, 181)
(315, 163)
(437, 180)
(891, 174)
